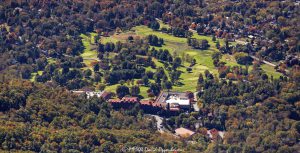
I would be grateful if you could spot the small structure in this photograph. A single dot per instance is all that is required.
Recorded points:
(250, 36)
(184, 133)
(214, 134)
(78, 92)
(193, 26)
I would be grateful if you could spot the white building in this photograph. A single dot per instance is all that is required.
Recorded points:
(175, 99)
(91, 94)
(181, 101)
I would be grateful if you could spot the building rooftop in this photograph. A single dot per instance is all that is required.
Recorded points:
(183, 132)
(172, 97)
(114, 100)
(162, 97)
(130, 99)
(124, 99)
(214, 133)
(174, 109)
(153, 103)
(146, 102)
(91, 94)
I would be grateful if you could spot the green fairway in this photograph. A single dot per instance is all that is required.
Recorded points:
(105, 40)
(89, 48)
(270, 71)
(89, 53)
(229, 59)
(144, 31)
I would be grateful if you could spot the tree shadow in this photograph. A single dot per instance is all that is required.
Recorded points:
(179, 84)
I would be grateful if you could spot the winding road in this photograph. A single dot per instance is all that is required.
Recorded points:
(159, 125)
(264, 61)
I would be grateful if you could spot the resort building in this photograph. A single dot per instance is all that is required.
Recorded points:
(175, 100)
(170, 103)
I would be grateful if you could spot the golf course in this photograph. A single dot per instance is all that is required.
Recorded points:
(177, 46)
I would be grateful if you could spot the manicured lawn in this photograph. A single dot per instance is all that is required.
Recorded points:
(143, 89)
(105, 40)
(229, 59)
(270, 71)
(203, 62)
(209, 39)
(123, 37)
(144, 31)
(89, 53)
(162, 24)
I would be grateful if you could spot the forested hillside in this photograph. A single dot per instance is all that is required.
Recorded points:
(238, 60)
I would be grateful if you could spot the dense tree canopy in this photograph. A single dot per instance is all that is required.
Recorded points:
(41, 62)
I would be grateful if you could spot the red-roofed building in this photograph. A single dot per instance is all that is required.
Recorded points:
(175, 109)
(193, 26)
(146, 102)
(150, 106)
(214, 134)
(130, 99)
(125, 102)
(114, 100)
